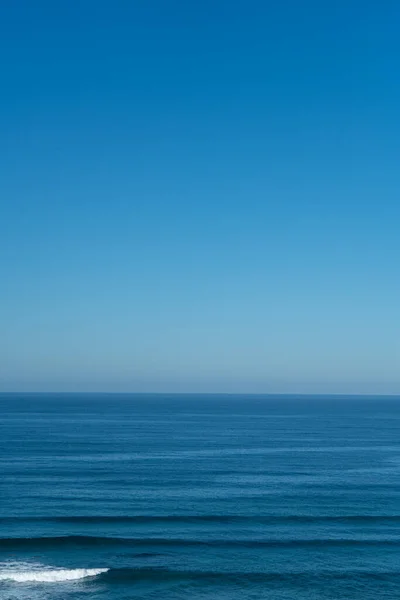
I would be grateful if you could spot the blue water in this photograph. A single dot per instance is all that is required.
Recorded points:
(129, 497)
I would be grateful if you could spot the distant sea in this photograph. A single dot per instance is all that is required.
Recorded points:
(119, 497)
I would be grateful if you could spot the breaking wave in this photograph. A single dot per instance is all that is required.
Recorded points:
(36, 574)
(31, 574)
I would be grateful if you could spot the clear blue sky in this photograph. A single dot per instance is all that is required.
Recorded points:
(200, 196)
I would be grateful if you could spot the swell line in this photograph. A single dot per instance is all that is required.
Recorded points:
(185, 519)
(129, 575)
(83, 540)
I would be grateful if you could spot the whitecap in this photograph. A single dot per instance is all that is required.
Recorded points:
(44, 575)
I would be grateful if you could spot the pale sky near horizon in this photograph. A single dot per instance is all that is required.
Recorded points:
(200, 196)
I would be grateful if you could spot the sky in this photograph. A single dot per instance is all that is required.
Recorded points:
(200, 196)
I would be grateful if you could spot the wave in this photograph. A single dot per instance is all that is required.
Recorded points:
(129, 575)
(184, 519)
(135, 575)
(49, 575)
(84, 540)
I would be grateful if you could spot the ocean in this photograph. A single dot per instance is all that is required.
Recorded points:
(118, 497)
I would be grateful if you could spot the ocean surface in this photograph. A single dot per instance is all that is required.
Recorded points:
(199, 497)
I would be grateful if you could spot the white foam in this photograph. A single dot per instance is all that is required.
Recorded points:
(48, 575)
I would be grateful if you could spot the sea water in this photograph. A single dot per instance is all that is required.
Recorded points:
(120, 497)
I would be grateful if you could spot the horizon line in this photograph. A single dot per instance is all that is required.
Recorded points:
(254, 394)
